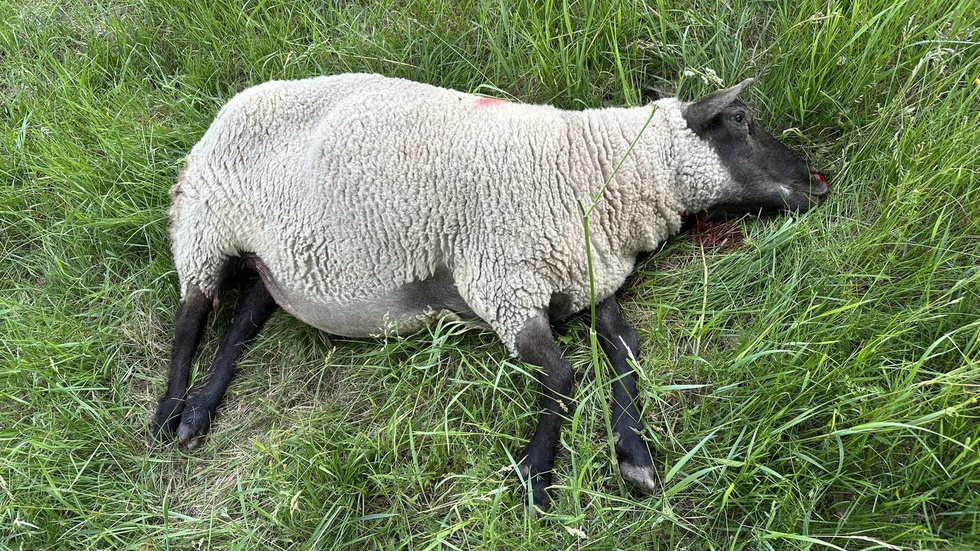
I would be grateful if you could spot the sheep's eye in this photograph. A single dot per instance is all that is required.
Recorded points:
(738, 118)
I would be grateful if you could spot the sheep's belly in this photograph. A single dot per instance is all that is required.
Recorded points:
(407, 309)
(362, 318)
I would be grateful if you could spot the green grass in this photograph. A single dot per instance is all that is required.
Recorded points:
(818, 388)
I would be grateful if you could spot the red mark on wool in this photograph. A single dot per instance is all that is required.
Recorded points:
(488, 102)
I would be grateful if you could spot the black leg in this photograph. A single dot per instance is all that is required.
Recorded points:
(619, 342)
(536, 346)
(203, 399)
(191, 317)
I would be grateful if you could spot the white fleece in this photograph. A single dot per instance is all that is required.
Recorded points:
(349, 187)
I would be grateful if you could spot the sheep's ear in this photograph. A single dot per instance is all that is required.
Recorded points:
(700, 113)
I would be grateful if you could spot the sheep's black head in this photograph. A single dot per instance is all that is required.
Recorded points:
(767, 176)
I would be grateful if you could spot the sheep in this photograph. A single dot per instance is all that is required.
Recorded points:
(370, 205)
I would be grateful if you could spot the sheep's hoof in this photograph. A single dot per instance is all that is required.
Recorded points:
(539, 491)
(193, 427)
(166, 420)
(540, 482)
(635, 463)
(640, 476)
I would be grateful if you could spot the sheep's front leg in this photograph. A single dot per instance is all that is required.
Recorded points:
(191, 316)
(619, 342)
(250, 316)
(536, 346)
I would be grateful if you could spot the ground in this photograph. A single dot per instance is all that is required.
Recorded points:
(807, 382)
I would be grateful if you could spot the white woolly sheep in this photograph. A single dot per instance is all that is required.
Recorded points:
(369, 204)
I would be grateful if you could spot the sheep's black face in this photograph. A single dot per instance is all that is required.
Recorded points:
(767, 177)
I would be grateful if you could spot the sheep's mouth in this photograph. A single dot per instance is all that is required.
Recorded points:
(818, 189)
(819, 186)
(803, 196)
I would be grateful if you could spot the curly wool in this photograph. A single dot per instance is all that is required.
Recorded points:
(349, 188)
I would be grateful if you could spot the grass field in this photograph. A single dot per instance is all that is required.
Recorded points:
(816, 388)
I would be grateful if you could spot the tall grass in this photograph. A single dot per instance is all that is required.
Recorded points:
(814, 389)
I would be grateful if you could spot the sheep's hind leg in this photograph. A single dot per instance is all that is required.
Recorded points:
(536, 346)
(250, 316)
(619, 342)
(191, 317)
